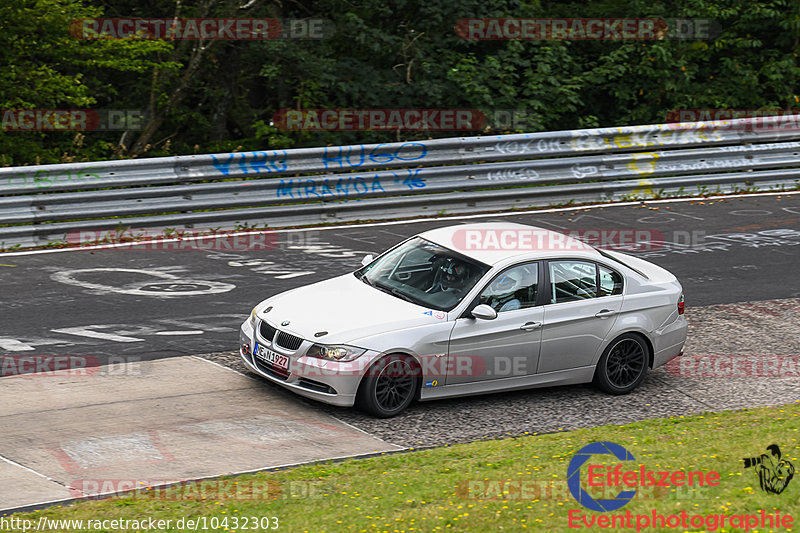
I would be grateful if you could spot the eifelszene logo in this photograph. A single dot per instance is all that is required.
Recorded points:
(574, 476)
(774, 473)
(609, 477)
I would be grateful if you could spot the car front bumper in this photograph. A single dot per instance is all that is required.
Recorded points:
(319, 379)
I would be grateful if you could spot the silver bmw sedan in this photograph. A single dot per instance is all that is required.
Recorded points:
(469, 309)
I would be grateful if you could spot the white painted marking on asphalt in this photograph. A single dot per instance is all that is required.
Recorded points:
(665, 217)
(293, 274)
(750, 212)
(195, 322)
(14, 345)
(185, 332)
(270, 268)
(324, 249)
(29, 469)
(669, 215)
(174, 286)
(84, 331)
(580, 216)
(370, 241)
(548, 223)
(685, 215)
(252, 262)
(36, 342)
(437, 219)
(394, 234)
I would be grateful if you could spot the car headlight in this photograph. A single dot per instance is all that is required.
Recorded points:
(340, 352)
(253, 317)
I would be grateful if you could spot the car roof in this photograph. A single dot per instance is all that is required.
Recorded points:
(495, 242)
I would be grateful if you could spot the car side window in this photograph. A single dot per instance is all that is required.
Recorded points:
(513, 288)
(572, 280)
(610, 282)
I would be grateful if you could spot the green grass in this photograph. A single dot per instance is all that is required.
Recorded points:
(461, 487)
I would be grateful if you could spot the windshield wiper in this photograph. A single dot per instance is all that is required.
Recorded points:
(405, 297)
(397, 293)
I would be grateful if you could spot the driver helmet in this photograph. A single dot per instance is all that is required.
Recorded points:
(505, 285)
(455, 274)
(503, 289)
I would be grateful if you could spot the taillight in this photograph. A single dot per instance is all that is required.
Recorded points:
(680, 305)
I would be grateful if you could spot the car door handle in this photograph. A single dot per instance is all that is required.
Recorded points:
(605, 313)
(530, 326)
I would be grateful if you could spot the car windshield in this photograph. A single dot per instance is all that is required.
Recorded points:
(424, 273)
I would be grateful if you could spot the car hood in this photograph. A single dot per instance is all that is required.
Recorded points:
(345, 307)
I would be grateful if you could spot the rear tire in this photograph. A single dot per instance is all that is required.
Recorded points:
(389, 386)
(623, 365)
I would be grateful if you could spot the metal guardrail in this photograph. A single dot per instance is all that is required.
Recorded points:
(41, 204)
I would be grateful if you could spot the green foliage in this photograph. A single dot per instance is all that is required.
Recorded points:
(47, 68)
(208, 96)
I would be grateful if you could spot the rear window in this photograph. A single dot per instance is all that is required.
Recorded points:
(610, 282)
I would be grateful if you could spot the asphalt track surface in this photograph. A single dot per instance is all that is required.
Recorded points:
(136, 304)
(115, 306)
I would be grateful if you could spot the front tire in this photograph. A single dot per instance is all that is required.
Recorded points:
(623, 365)
(389, 386)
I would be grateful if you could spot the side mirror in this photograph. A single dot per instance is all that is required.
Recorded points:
(367, 259)
(484, 312)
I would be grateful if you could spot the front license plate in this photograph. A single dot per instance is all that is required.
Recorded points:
(275, 359)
